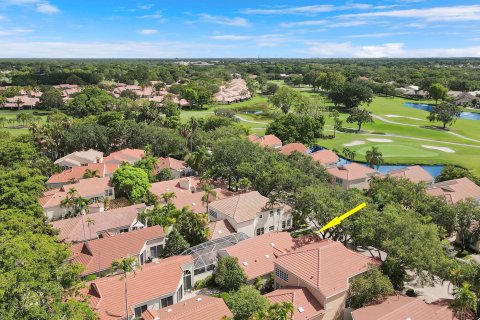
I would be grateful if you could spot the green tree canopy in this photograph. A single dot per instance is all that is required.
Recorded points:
(246, 302)
(368, 287)
(446, 113)
(132, 181)
(228, 274)
(360, 117)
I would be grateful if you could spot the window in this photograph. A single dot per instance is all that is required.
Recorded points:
(140, 310)
(260, 231)
(142, 257)
(278, 211)
(180, 293)
(123, 230)
(261, 216)
(213, 214)
(155, 251)
(167, 301)
(270, 228)
(282, 275)
(96, 199)
(338, 181)
(108, 192)
(84, 164)
(277, 286)
(271, 213)
(187, 279)
(283, 224)
(289, 222)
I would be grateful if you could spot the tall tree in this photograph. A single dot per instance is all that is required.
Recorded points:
(208, 193)
(374, 157)
(446, 113)
(125, 266)
(465, 300)
(175, 244)
(133, 182)
(368, 287)
(360, 117)
(286, 98)
(228, 274)
(437, 91)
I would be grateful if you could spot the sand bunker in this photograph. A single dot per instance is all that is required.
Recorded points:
(444, 149)
(379, 140)
(354, 143)
(398, 116)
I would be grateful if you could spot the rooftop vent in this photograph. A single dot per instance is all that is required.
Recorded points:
(272, 244)
(220, 231)
(199, 299)
(245, 263)
(267, 256)
(300, 309)
(169, 310)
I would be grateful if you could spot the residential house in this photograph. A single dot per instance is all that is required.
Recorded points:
(74, 174)
(269, 140)
(97, 255)
(464, 99)
(455, 190)
(179, 168)
(416, 174)
(325, 268)
(20, 102)
(291, 147)
(404, 308)
(197, 308)
(326, 158)
(94, 189)
(79, 158)
(219, 229)
(125, 155)
(156, 285)
(306, 307)
(353, 175)
(107, 223)
(257, 255)
(188, 192)
(235, 90)
(251, 213)
(470, 237)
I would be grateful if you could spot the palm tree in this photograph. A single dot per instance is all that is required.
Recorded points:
(2, 121)
(125, 265)
(91, 174)
(281, 311)
(208, 191)
(349, 153)
(465, 300)
(167, 197)
(374, 157)
(90, 222)
(193, 125)
(197, 159)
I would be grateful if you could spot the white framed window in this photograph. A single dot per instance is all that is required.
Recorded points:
(261, 216)
(282, 275)
(283, 224)
(289, 222)
(155, 251)
(140, 310)
(213, 214)
(271, 228)
(260, 231)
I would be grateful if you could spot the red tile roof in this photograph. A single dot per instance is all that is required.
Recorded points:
(325, 156)
(304, 303)
(352, 171)
(415, 174)
(269, 140)
(170, 163)
(403, 308)
(455, 190)
(97, 255)
(76, 173)
(84, 156)
(256, 255)
(154, 280)
(197, 308)
(183, 188)
(326, 265)
(220, 229)
(71, 230)
(291, 147)
(242, 207)
(85, 188)
(125, 155)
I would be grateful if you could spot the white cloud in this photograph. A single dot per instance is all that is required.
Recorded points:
(309, 10)
(147, 32)
(231, 37)
(47, 8)
(390, 50)
(303, 23)
(378, 35)
(235, 21)
(453, 13)
(11, 32)
(145, 6)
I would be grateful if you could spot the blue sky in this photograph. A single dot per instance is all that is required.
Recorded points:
(237, 29)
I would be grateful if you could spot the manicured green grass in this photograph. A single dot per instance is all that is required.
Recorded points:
(394, 150)
(16, 129)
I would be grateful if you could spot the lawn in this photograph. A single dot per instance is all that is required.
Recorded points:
(16, 128)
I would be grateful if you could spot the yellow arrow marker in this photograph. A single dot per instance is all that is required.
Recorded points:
(337, 220)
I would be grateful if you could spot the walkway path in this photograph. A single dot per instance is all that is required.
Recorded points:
(250, 121)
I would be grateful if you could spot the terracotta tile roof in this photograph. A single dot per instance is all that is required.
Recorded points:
(152, 281)
(183, 188)
(97, 255)
(325, 156)
(125, 155)
(415, 174)
(220, 229)
(402, 308)
(291, 147)
(232, 91)
(269, 140)
(242, 207)
(87, 156)
(198, 308)
(71, 230)
(352, 171)
(76, 173)
(257, 255)
(23, 101)
(304, 303)
(170, 163)
(326, 265)
(85, 188)
(455, 190)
